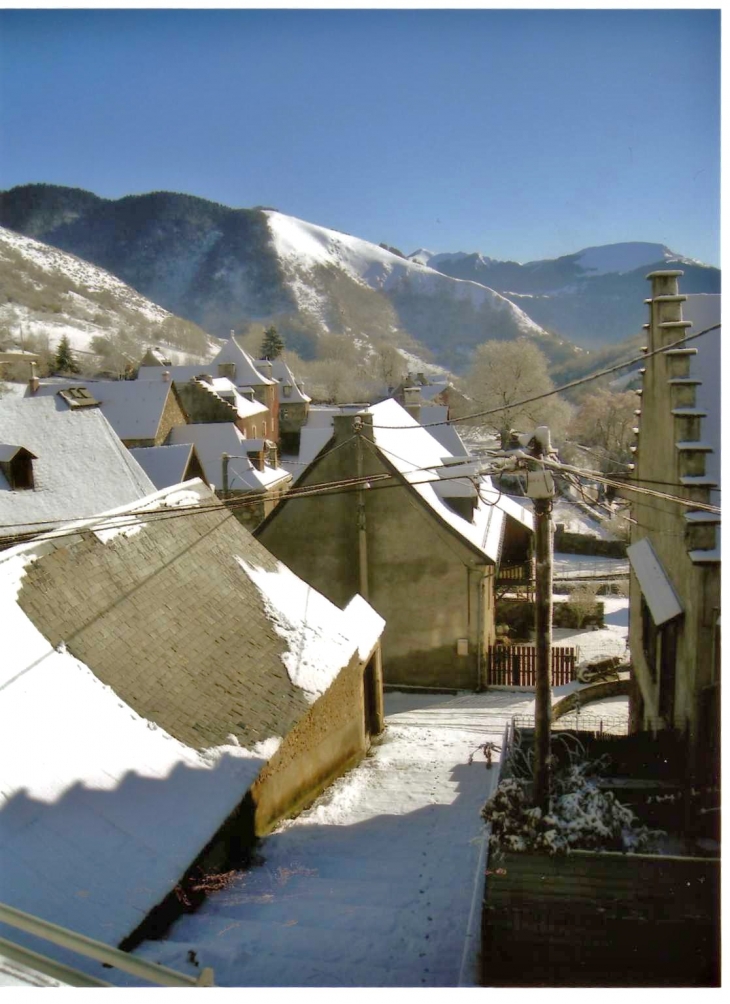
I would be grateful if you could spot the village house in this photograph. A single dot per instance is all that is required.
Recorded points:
(416, 390)
(234, 364)
(293, 403)
(169, 691)
(675, 549)
(60, 463)
(415, 530)
(210, 399)
(153, 418)
(241, 470)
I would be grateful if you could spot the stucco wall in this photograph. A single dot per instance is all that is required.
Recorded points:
(425, 583)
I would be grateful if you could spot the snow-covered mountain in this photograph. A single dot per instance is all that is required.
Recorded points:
(593, 297)
(46, 294)
(224, 268)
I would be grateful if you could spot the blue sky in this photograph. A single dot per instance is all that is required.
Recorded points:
(522, 134)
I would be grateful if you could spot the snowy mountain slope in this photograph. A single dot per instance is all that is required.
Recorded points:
(303, 247)
(225, 268)
(48, 294)
(593, 297)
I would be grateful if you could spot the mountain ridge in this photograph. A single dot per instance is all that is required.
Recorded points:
(224, 268)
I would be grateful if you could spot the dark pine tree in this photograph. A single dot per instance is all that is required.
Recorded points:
(64, 361)
(272, 344)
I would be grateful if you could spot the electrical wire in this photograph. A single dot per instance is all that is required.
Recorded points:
(638, 489)
(558, 390)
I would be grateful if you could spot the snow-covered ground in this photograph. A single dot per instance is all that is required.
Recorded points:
(601, 643)
(588, 566)
(375, 884)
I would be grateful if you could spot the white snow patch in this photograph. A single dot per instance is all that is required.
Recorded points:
(314, 629)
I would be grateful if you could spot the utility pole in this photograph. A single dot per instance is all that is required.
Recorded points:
(362, 536)
(541, 490)
(224, 463)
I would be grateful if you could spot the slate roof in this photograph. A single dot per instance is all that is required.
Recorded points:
(164, 465)
(137, 708)
(81, 467)
(133, 407)
(212, 440)
(447, 435)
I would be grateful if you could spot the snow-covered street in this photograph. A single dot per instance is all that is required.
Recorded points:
(375, 884)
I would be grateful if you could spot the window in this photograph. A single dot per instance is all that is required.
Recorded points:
(287, 390)
(264, 432)
(667, 670)
(649, 636)
(16, 463)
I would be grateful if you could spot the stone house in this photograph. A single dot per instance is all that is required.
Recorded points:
(422, 541)
(215, 399)
(169, 691)
(293, 403)
(417, 390)
(675, 557)
(60, 463)
(234, 364)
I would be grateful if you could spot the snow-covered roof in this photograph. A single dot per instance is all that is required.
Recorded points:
(228, 391)
(418, 456)
(247, 371)
(181, 374)
(284, 376)
(447, 435)
(164, 465)
(81, 466)
(655, 584)
(319, 636)
(124, 669)
(212, 440)
(133, 407)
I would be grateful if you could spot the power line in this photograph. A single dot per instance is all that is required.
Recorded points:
(559, 390)
(596, 476)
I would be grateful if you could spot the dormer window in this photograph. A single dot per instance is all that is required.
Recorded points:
(16, 463)
(287, 389)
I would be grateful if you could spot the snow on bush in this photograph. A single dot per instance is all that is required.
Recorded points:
(580, 816)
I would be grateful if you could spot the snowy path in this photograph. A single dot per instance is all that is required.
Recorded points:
(373, 885)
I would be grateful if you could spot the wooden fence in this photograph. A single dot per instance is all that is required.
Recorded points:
(601, 919)
(515, 666)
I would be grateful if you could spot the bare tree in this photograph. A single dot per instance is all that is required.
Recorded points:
(502, 375)
(605, 421)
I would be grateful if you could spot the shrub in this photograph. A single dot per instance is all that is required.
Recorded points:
(580, 816)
